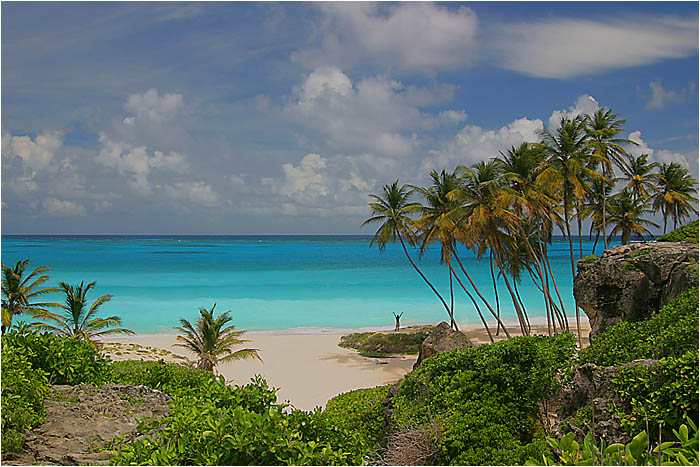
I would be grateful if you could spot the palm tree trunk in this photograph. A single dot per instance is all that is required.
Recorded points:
(522, 305)
(498, 318)
(595, 244)
(605, 225)
(495, 292)
(573, 266)
(518, 310)
(453, 324)
(578, 222)
(476, 305)
(556, 288)
(447, 308)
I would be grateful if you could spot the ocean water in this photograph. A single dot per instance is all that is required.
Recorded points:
(270, 282)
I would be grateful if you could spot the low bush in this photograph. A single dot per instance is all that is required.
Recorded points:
(670, 332)
(169, 378)
(486, 398)
(360, 411)
(221, 425)
(64, 360)
(378, 344)
(660, 394)
(687, 233)
(23, 392)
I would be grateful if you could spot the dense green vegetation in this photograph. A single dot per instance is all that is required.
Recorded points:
(687, 233)
(361, 412)
(485, 399)
(670, 332)
(24, 389)
(379, 344)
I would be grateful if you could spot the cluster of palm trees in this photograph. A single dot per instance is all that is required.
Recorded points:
(76, 318)
(211, 338)
(507, 208)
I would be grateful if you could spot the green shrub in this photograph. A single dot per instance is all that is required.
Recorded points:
(639, 451)
(360, 411)
(687, 233)
(589, 258)
(211, 426)
(23, 392)
(169, 378)
(65, 360)
(671, 331)
(485, 398)
(660, 394)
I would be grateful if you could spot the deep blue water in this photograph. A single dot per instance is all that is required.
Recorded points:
(268, 282)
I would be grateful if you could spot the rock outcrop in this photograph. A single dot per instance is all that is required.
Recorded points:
(442, 339)
(633, 281)
(81, 419)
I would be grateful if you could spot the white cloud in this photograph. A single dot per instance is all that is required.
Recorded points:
(194, 192)
(37, 153)
(564, 48)
(151, 107)
(453, 116)
(662, 156)
(585, 104)
(57, 207)
(305, 181)
(660, 97)
(412, 36)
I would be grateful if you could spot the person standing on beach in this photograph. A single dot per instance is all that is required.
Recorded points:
(398, 317)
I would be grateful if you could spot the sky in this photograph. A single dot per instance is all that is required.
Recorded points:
(281, 118)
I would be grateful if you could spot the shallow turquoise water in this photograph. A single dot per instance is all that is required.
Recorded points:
(268, 282)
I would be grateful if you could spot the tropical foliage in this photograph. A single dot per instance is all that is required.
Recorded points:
(19, 290)
(77, 318)
(212, 340)
(509, 208)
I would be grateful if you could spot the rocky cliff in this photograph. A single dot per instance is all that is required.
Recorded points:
(633, 281)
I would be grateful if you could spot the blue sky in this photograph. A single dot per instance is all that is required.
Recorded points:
(281, 118)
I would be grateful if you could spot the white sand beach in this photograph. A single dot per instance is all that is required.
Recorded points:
(309, 368)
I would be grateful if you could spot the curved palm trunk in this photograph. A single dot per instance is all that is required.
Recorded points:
(495, 292)
(518, 310)
(522, 305)
(578, 222)
(453, 324)
(476, 305)
(556, 288)
(605, 237)
(447, 308)
(498, 318)
(595, 244)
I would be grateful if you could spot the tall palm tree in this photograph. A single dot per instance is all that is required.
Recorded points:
(77, 318)
(626, 216)
(20, 291)
(393, 210)
(674, 193)
(603, 128)
(640, 176)
(212, 341)
(566, 170)
(436, 222)
(597, 208)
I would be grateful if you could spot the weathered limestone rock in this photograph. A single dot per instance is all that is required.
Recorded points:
(442, 339)
(633, 281)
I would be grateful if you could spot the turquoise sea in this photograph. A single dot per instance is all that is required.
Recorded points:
(268, 282)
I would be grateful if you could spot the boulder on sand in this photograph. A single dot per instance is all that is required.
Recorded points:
(442, 339)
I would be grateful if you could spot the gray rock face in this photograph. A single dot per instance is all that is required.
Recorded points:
(442, 339)
(633, 281)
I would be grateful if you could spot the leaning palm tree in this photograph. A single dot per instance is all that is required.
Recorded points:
(77, 318)
(674, 193)
(212, 341)
(392, 210)
(626, 217)
(19, 291)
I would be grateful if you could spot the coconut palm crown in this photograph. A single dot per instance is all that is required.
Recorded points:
(212, 341)
(19, 291)
(77, 318)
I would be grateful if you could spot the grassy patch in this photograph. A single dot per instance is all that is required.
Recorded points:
(386, 343)
(687, 233)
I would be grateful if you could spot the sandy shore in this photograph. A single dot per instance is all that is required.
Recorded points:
(309, 368)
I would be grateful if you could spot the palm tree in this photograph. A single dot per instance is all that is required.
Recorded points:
(639, 176)
(77, 318)
(212, 341)
(19, 291)
(437, 222)
(602, 128)
(674, 193)
(393, 210)
(597, 208)
(565, 169)
(626, 217)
